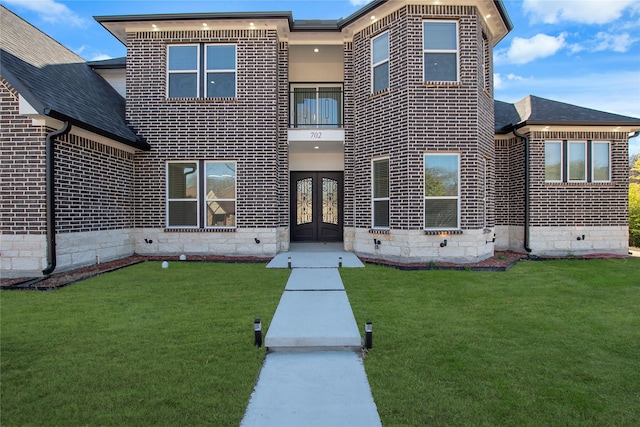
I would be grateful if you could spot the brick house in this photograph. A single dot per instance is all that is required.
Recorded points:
(244, 132)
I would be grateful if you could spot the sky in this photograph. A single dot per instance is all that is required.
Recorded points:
(583, 52)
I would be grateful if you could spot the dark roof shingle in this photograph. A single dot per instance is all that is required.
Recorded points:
(58, 83)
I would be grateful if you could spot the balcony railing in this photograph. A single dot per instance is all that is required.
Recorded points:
(316, 107)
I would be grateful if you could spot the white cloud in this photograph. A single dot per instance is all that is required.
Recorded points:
(523, 51)
(498, 83)
(583, 11)
(100, 57)
(615, 42)
(359, 2)
(51, 11)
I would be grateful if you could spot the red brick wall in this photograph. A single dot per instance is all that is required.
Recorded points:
(246, 129)
(22, 168)
(93, 181)
(412, 118)
(580, 204)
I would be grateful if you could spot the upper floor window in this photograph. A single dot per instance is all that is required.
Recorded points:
(189, 77)
(380, 62)
(577, 161)
(183, 71)
(221, 70)
(440, 45)
(380, 193)
(441, 191)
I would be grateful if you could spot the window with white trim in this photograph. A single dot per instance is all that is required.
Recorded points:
(220, 68)
(553, 162)
(601, 161)
(220, 194)
(440, 48)
(183, 71)
(201, 70)
(182, 194)
(380, 193)
(380, 62)
(185, 179)
(441, 191)
(577, 161)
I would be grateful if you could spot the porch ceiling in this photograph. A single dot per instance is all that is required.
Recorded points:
(309, 147)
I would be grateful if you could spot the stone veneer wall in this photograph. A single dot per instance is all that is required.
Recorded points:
(249, 129)
(412, 118)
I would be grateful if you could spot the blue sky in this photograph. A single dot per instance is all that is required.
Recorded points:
(584, 52)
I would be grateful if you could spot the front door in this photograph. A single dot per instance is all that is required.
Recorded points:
(316, 206)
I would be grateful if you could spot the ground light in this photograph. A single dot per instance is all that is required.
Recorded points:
(368, 335)
(257, 331)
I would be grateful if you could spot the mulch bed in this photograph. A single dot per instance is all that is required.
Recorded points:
(64, 278)
(501, 261)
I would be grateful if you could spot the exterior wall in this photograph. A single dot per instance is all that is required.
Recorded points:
(246, 129)
(94, 196)
(411, 119)
(509, 191)
(561, 212)
(414, 246)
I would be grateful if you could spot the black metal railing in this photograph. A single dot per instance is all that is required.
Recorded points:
(316, 107)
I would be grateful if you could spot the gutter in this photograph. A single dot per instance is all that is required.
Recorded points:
(50, 197)
(527, 195)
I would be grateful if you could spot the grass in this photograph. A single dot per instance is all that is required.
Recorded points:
(139, 346)
(546, 343)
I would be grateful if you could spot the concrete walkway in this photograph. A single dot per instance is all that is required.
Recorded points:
(313, 374)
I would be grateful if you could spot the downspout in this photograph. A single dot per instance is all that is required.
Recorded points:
(50, 197)
(527, 195)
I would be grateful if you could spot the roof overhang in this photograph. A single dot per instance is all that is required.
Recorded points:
(492, 12)
(576, 126)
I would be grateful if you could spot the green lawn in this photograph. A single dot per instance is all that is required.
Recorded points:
(546, 343)
(139, 346)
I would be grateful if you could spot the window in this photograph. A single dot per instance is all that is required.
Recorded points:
(440, 44)
(182, 194)
(380, 193)
(441, 191)
(577, 170)
(189, 77)
(221, 71)
(380, 62)
(184, 198)
(601, 167)
(485, 62)
(220, 194)
(553, 161)
(577, 161)
(182, 70)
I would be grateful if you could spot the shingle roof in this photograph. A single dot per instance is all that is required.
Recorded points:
(533, 110)
(58, 83)
(113, 63)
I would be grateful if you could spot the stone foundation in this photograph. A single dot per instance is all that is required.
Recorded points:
(415, 246)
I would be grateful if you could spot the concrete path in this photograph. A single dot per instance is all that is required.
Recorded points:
(313, 374)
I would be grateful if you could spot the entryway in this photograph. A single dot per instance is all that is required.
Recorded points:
(316, 206)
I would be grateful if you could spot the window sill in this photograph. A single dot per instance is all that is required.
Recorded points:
(201, 100)
(579, 184)
(201, 230)
(379, 230)
(442, 232)
(442, 84)
(379, 93)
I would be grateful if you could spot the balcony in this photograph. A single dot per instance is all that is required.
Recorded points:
(316, 112)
